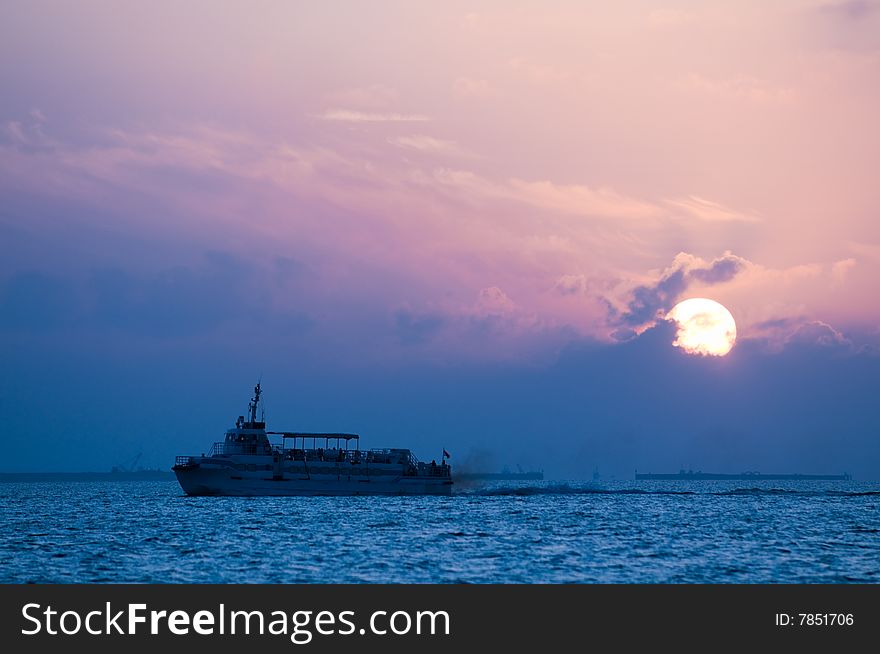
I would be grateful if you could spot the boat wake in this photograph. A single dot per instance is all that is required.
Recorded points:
(566, 489)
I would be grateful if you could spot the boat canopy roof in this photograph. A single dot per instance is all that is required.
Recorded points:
(300, 434)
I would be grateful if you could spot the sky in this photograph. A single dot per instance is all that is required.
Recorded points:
(447, 225)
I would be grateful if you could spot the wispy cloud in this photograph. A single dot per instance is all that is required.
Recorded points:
(710, 211)
(571, 285)
(353, 116)
(738, 88)
(469, 87)
(582, 199)
(560, 249)
(429, 145)
(28, 135)
(373, 97)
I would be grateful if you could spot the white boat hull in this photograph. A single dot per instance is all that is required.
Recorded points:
(222, 481)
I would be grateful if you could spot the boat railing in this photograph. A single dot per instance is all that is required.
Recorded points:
(334, 455)
(224, 449)
(434, 469)
(355, 457)
(183, 460)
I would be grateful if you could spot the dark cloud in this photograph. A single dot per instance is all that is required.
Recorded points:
(776, 323)
(852, 25)
(641, 404)
(623, 334)
(412, 328)
(34, 301)
(181, 300)
(818, 333)
(800, 331)
(850, 9)
(289, 268)
(648, 302)
(215, 289)
(719, 271)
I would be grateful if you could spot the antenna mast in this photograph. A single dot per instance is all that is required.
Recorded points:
(254, 403)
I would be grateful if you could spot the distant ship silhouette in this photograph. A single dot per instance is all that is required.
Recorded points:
(742, 476)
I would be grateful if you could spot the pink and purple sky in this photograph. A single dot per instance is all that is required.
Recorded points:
(418, 187)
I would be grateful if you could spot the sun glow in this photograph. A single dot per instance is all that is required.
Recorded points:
(704, 327)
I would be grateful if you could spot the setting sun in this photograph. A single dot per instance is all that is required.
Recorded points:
(704, 327)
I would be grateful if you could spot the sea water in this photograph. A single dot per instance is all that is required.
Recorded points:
(505, 532)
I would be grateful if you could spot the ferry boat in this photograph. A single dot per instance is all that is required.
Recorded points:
(247, 463)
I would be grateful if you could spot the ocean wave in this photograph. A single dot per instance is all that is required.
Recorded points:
(788, 492)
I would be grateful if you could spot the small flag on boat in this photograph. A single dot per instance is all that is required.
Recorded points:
(446, 455)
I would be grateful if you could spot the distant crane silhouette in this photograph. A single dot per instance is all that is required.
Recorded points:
(122, 467)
